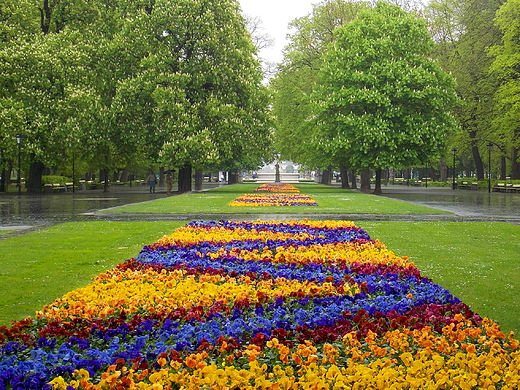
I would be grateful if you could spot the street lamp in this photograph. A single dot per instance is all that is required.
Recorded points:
(454, 151)
(427, 172)
(489, 147)
(19, 142)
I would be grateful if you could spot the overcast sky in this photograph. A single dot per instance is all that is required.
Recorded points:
(276, 16)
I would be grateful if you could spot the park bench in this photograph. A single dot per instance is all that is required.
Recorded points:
(56, 187)
(464, 186)
(474, 186)
(516, 188)
(500, 187)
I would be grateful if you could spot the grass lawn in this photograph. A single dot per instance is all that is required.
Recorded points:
(330, 201)
(478, 262)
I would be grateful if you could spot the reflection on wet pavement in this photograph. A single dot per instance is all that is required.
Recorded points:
(41, 210)
(461, 202)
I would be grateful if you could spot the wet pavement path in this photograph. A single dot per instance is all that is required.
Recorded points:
(467, 205)
(28, 212)
(24, 211)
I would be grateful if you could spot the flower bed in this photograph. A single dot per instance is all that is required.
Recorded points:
(276, 187)
(274, 194)
(260, 305)
(270, 199)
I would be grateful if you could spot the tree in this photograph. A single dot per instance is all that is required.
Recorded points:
(463, 32)
(118, 128)
(382, 102)
(37, 74)
(54, 75)
(131, 81)
(506, 66)
(212, 108)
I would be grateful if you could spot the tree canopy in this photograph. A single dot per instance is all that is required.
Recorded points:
(132, 81)
(382, 102)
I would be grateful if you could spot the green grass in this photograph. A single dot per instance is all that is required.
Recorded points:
(330, 201)
(38, 267)
(477, 261)
(6, 231)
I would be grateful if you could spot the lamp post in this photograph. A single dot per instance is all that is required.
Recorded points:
(489, 147)
(73, 172)
(427, 172)
(454, 151)
(19, 142)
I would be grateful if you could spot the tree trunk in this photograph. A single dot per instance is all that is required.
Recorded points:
(503, 167)
(232, 178)
(103, 175)
(34, 181)
(515, 165)
(344, 177)
(465, 165)
(433, 174)
(444, 171)
(365, 179)
(124, 176)
(198, 180)
(479, 165)
(185, 179)
(326, 177)
(161, 176)
(4, 179)
(377, 189)
(353, 180)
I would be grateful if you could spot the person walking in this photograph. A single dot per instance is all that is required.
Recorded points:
(152, 180)
(169, 183)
